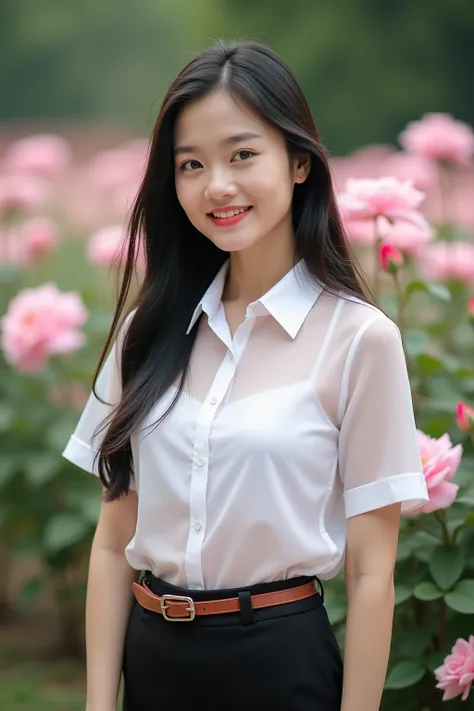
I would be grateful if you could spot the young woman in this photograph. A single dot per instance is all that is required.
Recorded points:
(252, 424)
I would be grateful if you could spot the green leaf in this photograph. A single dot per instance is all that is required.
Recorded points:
(58, 435)
(423, 544)
(336, 609)
(9, 464)
(439, 291)
(413, 286)
(444, 397)
(41, 469)
(402, 593)
(427, 591)
(416, 341)
(461, 597)
(7, 415)
(446, 566)
(30, 592)
(435, 660)
(455, 523)
(63, 530)
(412, 643)
(405, 674)
(85, 500)
(429, 365)
(8, 273)
(403, 549)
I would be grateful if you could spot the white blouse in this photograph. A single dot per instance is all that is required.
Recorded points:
(301, 420)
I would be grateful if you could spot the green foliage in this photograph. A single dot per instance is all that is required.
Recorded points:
(112, 61)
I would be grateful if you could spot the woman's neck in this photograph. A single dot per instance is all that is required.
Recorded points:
(253, 272)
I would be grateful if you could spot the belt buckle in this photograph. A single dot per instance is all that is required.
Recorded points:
(178, 598)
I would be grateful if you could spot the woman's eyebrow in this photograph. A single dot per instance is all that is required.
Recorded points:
(236, 138)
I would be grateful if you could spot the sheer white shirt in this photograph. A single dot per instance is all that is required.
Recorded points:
(301, 420)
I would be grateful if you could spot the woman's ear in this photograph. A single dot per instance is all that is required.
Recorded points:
(302, 166)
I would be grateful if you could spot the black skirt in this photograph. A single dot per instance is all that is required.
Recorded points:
(282, 658)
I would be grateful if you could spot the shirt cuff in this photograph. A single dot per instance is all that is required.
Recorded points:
(409, 489)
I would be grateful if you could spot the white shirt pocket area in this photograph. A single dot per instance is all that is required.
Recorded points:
(84, 443)
(379, 456)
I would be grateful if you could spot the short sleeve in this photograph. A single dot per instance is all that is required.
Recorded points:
(379, 456)
(83, 444)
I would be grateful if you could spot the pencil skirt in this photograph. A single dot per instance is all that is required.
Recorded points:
(281, 658)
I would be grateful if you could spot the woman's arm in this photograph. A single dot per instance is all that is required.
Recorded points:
(109, 599)
(370, 560)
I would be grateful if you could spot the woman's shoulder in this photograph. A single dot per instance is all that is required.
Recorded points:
(354, 316)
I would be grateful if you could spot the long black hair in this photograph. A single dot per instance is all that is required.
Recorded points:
(181, 262)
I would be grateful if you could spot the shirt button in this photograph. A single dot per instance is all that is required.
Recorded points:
(200, 462)
(230, 356)
(213, 400)
(197, 526)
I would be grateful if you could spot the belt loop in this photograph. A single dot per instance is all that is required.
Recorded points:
(246, 610)
(321, 589)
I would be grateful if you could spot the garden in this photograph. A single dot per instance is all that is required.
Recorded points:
(408, 212)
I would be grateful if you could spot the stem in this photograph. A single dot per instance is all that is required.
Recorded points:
(377, 243)
(456, 532)
(445, 194)
(440, 517)
(441, 641)
(401, 305)
(401, 302)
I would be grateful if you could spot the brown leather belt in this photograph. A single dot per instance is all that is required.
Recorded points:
(180, 608)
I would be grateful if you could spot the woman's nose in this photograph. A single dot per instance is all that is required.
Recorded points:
(220, 185)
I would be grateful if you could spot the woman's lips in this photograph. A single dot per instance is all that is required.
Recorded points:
(229, 221)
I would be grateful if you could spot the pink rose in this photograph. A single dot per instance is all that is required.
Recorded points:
(361, 232)
(439, 137)
(26, 243)
(440, 462)
(383, 197)
(105, 248)
(45, 155)
(39, 238)
(390, 258)
(39, 323)
(444, 261)
(456, 674)
(11, 246)
(405, 236)
(405, 166)
(116, 167)
(20, 193)
(465, 417)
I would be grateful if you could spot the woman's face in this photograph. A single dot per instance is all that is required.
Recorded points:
(234, 178)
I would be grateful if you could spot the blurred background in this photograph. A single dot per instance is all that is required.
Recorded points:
(89, 77)
(367, 66)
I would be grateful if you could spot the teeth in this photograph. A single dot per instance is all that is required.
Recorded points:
(231, 213)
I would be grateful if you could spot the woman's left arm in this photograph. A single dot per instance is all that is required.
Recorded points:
(370, 560)
(382, 476)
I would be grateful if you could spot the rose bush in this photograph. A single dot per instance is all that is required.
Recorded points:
(420, 259)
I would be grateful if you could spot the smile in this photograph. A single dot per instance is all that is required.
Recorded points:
(230, 216)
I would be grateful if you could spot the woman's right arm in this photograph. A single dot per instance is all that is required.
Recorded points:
(109, 599)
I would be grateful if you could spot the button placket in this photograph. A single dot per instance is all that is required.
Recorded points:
(200, 470)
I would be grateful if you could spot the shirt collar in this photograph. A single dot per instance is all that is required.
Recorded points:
(289, 301)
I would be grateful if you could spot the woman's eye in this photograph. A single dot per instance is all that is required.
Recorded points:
(244, 155)
(190, 165)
